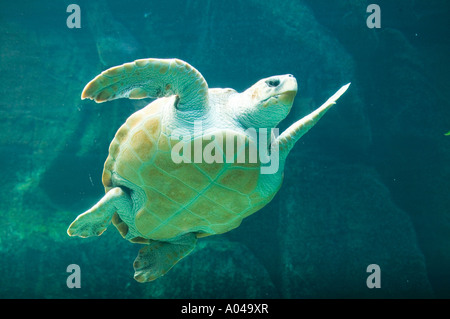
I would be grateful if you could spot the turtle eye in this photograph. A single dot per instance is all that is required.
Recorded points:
(273, 82)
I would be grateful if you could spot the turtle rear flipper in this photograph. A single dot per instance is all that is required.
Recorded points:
(95, 221)
(157, 258)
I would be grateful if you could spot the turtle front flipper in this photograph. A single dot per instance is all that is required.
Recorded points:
(151, 78)
(95, 221)
(291, 135)
(157, 258)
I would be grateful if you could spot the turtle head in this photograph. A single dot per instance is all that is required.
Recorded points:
(267, 102)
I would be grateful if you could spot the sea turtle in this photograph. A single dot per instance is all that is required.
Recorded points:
(156, 199)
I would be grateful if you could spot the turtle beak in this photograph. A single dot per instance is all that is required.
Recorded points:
(289, 89)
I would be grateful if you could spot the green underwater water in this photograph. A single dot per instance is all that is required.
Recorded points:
(367, 185)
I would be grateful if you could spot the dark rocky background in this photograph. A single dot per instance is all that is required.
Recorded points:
(368, 185)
